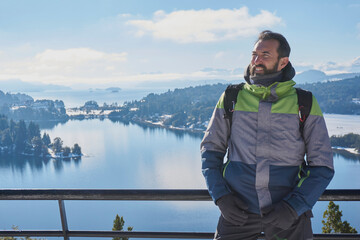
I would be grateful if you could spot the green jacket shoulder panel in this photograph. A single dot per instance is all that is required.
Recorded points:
(288, 104)
(246, 102)
(220, 103)
(315, 109)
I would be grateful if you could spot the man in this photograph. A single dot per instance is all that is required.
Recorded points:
(266, 186)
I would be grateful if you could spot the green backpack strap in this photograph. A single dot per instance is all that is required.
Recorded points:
(305, 103)
(230, 99)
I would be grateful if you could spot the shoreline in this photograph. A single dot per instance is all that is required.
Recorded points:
(159, 124)
(348, 150)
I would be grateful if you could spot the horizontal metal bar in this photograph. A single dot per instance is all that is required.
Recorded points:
(341, 195)
(136, 234)
(105, 194)
(337, 236)
(33, 233)
(143, 195)
(125, 234)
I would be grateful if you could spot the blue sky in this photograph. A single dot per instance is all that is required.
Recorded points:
(127, 43)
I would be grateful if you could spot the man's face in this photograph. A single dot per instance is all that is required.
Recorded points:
(265, 58)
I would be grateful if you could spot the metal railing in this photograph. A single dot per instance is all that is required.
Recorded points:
(61, 195)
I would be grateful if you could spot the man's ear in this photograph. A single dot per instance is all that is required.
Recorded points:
(283, 62)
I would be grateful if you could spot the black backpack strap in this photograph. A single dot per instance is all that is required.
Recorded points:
(305, 103)
(230, 99)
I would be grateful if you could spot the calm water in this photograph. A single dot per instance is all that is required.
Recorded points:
(120, 156)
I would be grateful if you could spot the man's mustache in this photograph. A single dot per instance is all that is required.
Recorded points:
(259, 65)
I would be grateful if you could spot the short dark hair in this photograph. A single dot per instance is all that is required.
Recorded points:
(284, 47)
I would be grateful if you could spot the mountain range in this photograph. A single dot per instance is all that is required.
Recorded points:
(309, 76)
(17, 85)
(313, 76)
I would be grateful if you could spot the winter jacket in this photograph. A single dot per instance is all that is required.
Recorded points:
(265, 150)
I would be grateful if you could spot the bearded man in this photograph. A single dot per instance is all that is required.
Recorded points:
(266, 185)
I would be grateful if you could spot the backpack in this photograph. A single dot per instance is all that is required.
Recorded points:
(304, 102)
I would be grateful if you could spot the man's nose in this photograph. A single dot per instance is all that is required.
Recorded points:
(257, 60)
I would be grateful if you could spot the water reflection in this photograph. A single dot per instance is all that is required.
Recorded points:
(348, 156)
(180, 134)
(35, 164)
(48, 125)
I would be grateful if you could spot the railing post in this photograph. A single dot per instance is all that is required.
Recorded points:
(63, 219)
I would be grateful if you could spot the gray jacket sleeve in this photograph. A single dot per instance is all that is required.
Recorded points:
(213, 149)
(319, 169)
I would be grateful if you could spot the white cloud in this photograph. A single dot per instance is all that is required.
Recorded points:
(351, 66)
(219, 55)
(208, 25)
(125, 15)
(78, 56)
(65, 66)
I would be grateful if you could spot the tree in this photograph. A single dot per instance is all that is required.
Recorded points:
(4, 124)
(20, 136)
(46, 139)
(33, 130)
(76, 149)
(12, 126)
(37, 145)
(6, 140)
(333, 223)
(119, 226)
(57, 145)
(66, 151)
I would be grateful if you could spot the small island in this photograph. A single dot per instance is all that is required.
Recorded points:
(20, 138)
(113, 89)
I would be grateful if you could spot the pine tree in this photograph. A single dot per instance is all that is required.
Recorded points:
(6, 140)
(333, 223)
(46, 139)
(4, 124)
(33, 130)
(119, 226)
(37, 145)
(20, 136)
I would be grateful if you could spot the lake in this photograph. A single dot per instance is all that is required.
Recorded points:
(129, 156)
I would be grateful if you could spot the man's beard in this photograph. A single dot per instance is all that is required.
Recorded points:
(265, 70)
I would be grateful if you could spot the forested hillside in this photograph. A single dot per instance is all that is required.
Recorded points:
(23, 107)
(338, 96)
(189, 107)
(192, 107)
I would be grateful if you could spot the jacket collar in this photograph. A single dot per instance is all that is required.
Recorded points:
(273, 92)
